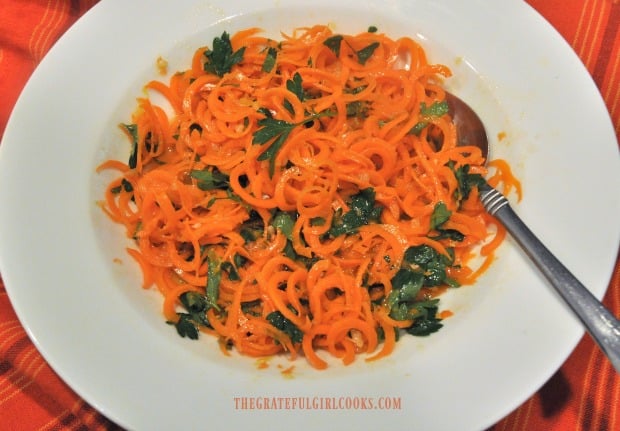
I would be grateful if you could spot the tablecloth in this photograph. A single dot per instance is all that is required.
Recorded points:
(583, 395)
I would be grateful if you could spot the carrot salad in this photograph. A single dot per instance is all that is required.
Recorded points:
(306, 195)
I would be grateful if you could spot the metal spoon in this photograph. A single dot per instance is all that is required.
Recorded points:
(598, 320)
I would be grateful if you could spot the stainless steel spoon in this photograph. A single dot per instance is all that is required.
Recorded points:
(598, 320)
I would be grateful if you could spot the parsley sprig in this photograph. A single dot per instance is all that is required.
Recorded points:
(277, 132)
(210, 179)
(362, 211)
(423, 267)
(466, 181)
(196, 315)
(221, 58)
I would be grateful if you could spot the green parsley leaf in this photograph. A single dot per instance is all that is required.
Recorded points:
(196, 306)
(317, 221)
(427, 322)
(221, 58)
(210, 179)
(420, 255)
(284, 222)
(423, 266)
(372, 29)
(450, 234)
(230, 269)
(125, 185)
(270, 60)
(466, 181)
(277, 319)
(132, 130)
(358, 109)
(435, 273)
(252, 229)
(272, 129)
(418, 127)
(431, 264)
(440, 215)
(406, 285)
(333, 43)
(186, 327)
(365, 53)
(437, 109)
(404, 304)
(277, 131)
(362, 211)
(295, 86)
(214, 277)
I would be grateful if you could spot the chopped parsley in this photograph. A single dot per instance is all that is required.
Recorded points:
(365, 53)
(196, 306)
(426, 321)
(284, 222)
(333, 43)
(362, 211)
(358, 109)
(429, 262)
(214, 277)
(210, 179)
(435, 110)
(280, 322)
(466, 181)
(270, 60)
(132, 131)
(423, 267)
(125, 185)
(440, 215)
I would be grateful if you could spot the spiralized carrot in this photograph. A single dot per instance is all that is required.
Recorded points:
(238, 234)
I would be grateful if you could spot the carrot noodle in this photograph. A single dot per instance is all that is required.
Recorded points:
(246, 228)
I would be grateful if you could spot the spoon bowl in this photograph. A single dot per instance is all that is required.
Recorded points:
(469, 127)
(602, 325)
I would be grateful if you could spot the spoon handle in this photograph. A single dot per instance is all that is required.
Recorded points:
(598, 320)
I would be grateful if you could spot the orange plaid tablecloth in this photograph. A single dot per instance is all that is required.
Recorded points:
(583, 395)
